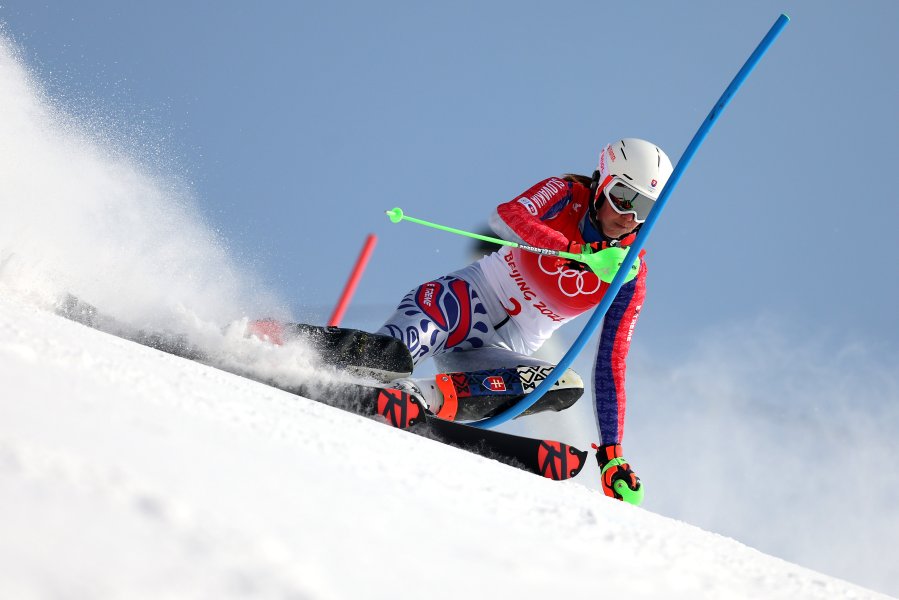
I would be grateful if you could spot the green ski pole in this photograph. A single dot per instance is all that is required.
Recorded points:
(604, 263)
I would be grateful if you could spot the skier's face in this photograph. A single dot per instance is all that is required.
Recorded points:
(614, 224)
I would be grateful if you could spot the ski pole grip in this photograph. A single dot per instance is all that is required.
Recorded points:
(630, 496)
(606, 262)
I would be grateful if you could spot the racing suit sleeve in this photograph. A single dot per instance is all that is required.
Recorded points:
(522, 220)
(610, 366)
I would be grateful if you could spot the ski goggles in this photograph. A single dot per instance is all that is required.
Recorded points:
(624, 199)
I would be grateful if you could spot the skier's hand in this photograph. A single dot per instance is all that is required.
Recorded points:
(618, 479)
(577, 248)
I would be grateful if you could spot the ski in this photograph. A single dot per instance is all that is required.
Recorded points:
(547, 458)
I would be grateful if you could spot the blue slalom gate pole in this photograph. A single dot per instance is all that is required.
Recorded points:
(600, 312)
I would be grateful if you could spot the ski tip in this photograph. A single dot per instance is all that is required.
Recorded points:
(399, 408)
(559, 461)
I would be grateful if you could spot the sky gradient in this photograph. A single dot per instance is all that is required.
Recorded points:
(297, 126)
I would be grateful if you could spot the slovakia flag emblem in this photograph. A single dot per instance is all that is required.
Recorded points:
(495, 384)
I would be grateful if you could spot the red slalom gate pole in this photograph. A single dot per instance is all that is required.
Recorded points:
(350, 288)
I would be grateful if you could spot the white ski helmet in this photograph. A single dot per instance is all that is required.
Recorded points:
(631, 175)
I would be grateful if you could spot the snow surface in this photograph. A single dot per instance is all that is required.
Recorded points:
(125, 472)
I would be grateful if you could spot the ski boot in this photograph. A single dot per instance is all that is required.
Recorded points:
(476, 395)
(366, 354)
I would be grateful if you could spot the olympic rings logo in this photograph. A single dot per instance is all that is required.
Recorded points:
(570, 279)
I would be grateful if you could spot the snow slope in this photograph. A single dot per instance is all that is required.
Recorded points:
(125, 472)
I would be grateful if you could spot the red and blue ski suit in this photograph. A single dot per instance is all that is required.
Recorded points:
(550, 215)
(517, 299)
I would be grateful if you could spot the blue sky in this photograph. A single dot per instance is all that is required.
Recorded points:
(297, 124)
(770, 319)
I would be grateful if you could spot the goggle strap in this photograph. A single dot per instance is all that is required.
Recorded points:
(594, 183)
(600, 189)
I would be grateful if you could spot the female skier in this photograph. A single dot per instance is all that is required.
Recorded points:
(494, 313)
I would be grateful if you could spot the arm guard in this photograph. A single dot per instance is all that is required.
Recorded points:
(610, 367)
(522, 220)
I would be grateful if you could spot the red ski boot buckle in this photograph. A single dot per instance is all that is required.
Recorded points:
(450, 406)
